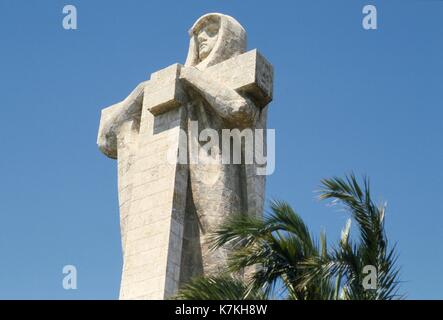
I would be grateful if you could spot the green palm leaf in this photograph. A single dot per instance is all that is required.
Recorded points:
(217, 288)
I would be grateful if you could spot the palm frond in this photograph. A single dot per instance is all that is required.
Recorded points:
(372, 246)
(218, 288)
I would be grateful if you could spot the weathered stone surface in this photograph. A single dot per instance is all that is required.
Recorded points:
(168, 209)
(253, 76)
(164, 92)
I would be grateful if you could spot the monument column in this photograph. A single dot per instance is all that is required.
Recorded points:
(144, 133)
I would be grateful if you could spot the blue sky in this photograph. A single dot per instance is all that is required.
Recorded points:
(346, 99)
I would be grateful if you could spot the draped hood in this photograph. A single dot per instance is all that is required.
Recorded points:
(231, 41)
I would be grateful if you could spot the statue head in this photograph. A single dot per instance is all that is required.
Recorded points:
(215, 37)
(207, 36)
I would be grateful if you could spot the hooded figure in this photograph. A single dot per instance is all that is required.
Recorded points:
(215, 190)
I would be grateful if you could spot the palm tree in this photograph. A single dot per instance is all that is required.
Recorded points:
(287, 259)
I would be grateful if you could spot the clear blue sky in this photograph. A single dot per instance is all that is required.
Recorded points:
(346, 100)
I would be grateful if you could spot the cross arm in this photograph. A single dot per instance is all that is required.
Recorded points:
(237, 86)
(225, 101)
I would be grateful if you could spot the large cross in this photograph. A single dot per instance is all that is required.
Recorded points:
(152, 190)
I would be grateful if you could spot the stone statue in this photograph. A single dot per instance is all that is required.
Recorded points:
(168, 208)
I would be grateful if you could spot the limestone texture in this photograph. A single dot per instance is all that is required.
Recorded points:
(167, 208)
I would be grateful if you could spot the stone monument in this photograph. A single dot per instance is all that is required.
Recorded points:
(168, 208)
